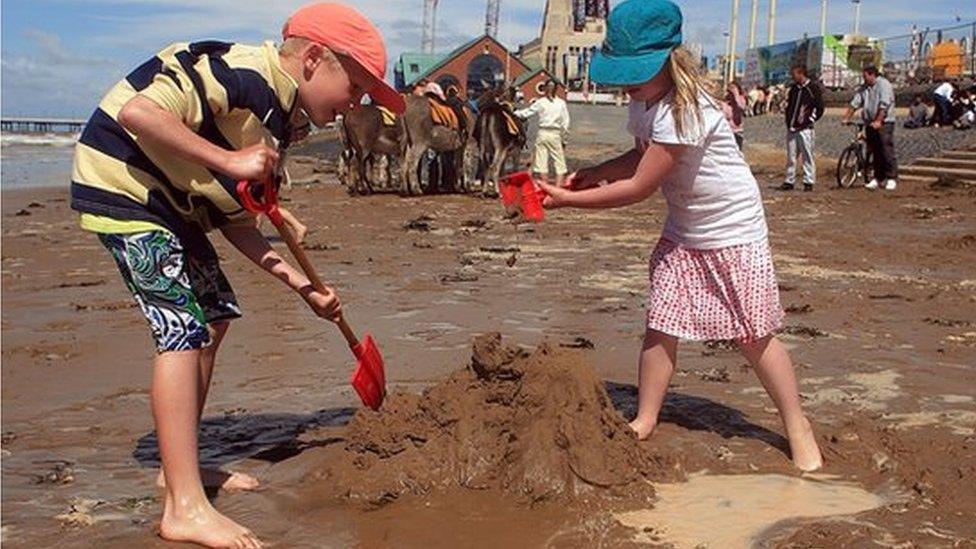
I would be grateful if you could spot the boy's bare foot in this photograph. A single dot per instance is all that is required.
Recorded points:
(642, 428)
(803, 447)
(225, 480)
(200, 523)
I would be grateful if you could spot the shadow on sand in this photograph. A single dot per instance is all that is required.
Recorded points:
(274, 437)
(267, 437)
(697, 414)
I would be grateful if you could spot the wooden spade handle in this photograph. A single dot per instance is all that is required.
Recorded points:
(299, 253)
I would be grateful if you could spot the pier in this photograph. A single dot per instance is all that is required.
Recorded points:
(41, 125)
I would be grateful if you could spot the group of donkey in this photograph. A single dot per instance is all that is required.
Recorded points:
(432, 157)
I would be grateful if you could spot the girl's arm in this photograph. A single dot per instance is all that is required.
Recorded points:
(652, 167)
(615, 169)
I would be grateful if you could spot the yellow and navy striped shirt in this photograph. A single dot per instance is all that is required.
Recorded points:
(232, 95)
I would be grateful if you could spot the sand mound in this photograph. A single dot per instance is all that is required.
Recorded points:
(539, 425)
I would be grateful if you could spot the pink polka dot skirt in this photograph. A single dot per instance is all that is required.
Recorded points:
(725, 293)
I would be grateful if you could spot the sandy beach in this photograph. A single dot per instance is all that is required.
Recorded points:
(880, 293)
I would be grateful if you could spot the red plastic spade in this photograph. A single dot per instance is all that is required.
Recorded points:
(369, 377)
(520, 188)
(511, 187)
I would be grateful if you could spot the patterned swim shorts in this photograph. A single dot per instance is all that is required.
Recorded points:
(179, 294)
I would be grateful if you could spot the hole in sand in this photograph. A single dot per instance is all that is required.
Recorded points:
(735, 510)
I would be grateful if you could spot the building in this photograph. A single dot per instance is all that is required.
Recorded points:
(411, 65)
(473, 68)
(572, 30)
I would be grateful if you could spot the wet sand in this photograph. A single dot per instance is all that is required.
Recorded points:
(880, 291)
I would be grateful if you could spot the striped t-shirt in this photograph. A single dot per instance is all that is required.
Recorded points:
(230, 94)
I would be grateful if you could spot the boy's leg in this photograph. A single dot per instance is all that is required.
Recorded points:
(772, 364)
(154, 267)
(658, 357)
(187, 513)
(806, 140)
(214, 478)
(791, 138)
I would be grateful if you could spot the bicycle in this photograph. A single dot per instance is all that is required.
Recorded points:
(855, 160)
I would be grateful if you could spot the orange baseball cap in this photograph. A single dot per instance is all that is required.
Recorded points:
(345, 31)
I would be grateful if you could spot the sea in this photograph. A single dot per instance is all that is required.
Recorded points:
(36, 159)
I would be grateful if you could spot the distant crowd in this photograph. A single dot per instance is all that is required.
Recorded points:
(949, 104)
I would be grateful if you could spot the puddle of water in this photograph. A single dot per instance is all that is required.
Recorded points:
(735, 510)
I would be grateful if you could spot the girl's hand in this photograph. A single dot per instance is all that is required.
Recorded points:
(581, 179)
(557, 196)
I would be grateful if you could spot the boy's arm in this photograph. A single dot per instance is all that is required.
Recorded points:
(653, 165)
(250, 242)
(147, 120)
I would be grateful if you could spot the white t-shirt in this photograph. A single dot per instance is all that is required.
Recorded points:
(945, 89)
(713, 198)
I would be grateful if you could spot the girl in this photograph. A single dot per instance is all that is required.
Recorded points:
(712, 272)
(734, 109)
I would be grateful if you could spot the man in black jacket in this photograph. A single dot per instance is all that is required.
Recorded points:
(804, 106)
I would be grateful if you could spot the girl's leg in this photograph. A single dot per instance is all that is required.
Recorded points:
(214, 477)
(772, 364)
(187, 514)
(656, 366)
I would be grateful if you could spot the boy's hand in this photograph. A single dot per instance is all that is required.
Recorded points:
(324, 305)
(254, 163)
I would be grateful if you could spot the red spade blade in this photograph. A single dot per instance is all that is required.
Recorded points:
(532, 201)
(511, 186)
(369, 378)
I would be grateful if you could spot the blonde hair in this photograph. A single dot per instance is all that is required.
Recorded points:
(293, 46)
(689, 84)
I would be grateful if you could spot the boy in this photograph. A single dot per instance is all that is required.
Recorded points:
(157, 166)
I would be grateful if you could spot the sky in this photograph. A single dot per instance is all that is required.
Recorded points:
(59, 56)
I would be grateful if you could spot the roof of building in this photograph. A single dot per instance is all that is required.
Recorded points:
(423, 60)
(445, 59)
(530, 74)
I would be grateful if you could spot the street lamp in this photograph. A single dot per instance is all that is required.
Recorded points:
(857, 16)
(823, 18)
(728, 49)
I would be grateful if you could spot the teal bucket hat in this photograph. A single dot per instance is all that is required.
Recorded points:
(640, 37)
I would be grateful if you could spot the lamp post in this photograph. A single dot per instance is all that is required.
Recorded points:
(728, 49)
(823, 17)
(771, 29)
(752, 24)
(733, 39)
(857, 16)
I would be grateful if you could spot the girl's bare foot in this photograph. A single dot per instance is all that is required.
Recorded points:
(200, 523)
(642, 428)
(225, 480)
(803, 447)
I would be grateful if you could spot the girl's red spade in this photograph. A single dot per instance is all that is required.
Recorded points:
(369, 378)
(520, 188)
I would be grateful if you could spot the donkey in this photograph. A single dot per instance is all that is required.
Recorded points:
(500, 136)
(367, 137)
(422, 134)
